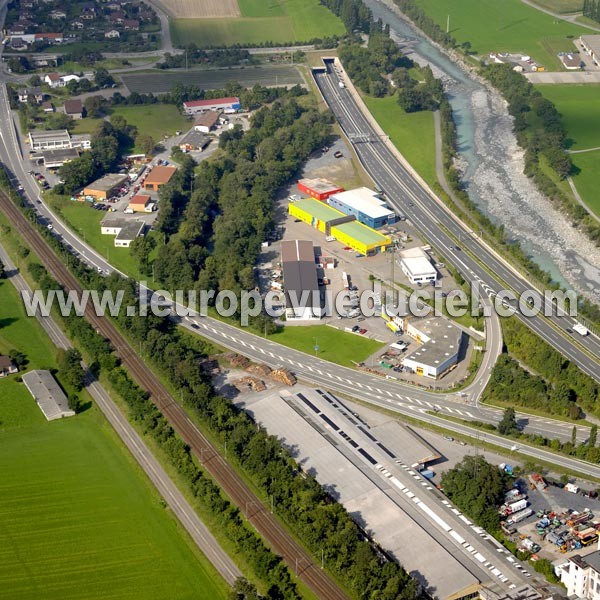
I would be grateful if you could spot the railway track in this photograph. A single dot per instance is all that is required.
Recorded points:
(272, 531)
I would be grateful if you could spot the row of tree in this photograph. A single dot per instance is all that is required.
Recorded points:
(591, 9)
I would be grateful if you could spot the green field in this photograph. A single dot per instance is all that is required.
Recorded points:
(334, 345)
(580, 110)
(588, 178)
(277, 21)
(157, 120)
(508, 26)
(412, 133)
(86, 222)
(561, 6)
(79, 519)
(579, 106)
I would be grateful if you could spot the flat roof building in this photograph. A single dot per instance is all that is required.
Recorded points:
(125, 230)
(440, 346)
(591, 44)
(158, 176)
(570, 61)
(53, 159)
(302, 294)
(415, 264)
(319, 189)
(230, 103)
(365, 204)
(140, 203)
(360, 238)
(48, 140)
(105, 186)
(47, 394)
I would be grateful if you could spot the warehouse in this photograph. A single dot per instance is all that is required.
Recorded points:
(193, 140)
(415, 264)
(141, 203)
(47, 394)
(158, 176)
(53, 159)
(360, 238)
(230, 104)
(365, 204)
(105, 186)
(591, 44)
(440, 346)
(207, 121)
(317, 214)
(319, 189)
(302, 295)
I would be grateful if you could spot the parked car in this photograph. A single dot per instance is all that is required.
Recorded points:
(338, 154)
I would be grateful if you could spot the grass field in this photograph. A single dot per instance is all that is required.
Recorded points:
(579, 106)
(80, 521)
(588, 178)
(86, 222)
(580, 110)
(277, 21)
(509, 26)
(334, 345)
(561, 6)
(412, 133)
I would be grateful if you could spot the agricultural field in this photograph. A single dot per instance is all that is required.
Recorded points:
(145, 83)
(510, 26)
(412, 133)
(79, 519)
(277, 21)
(580, 110)
(334, 345)
(188, 9)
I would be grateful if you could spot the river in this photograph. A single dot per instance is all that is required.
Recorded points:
(492, 166)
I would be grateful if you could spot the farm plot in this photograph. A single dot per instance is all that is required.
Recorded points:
(145, 83)
(201, 9)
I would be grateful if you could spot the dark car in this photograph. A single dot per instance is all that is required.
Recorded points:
(356, 328)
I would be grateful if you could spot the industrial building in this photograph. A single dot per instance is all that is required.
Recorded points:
(53, 159)
(365, 204)
(125, 230)
(47, 394)
(105, 186)
(344, 228)
(207, 121)
(371, 472)
(57, 139)
(440, 346)
(319, 189)
(229, 104)
(302, 294)
(158, 176)
(193, 140)
(415, 264)
(141, 203)
(591, 44)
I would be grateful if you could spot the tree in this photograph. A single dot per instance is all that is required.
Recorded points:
(593, 436)
(145, 143)
(243, 590)
(508, 423)
(59, 120)
(95, 106)
(103, 78)
(69, 364)
(17, 357)
(2, 270)
(141, 248)
(574, 435)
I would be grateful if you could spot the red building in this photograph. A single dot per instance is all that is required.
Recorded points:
(319, 189)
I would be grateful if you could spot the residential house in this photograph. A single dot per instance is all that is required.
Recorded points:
(117, 17)
(77, 24)
(16, 29)
(17, 43)
(87, 15)
(113, 6)
(49, 38)
(47, 106)
(7, 367)
(112, 34)
(52, 79)
(131, 24)
(26, 93)
(58, 14)
(28, 3)
(73, 108)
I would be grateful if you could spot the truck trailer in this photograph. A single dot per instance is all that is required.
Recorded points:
(518, 516)
(509, 509)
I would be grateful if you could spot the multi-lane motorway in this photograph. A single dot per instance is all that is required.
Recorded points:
(476, 261)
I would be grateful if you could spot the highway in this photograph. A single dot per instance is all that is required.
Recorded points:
(181, 508)
(458, 244)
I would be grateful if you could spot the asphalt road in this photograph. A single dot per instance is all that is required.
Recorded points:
(462, 247)
(181, 508)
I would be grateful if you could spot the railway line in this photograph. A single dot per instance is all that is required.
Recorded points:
(265, 523)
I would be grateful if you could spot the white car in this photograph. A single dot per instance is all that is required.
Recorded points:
(50, 226)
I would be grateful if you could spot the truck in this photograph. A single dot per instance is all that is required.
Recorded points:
(538, 481)
(580, 329)
(555, 538)
(529, 545)
(577, 518)
(509, 509)
(341, 84)
(590, 539)
(513, 496)
(518, 516)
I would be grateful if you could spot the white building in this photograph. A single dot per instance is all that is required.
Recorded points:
(439, 350)
(591, 45)
(581, 576)
(125, 230)
(417, 267)
(365, 204)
